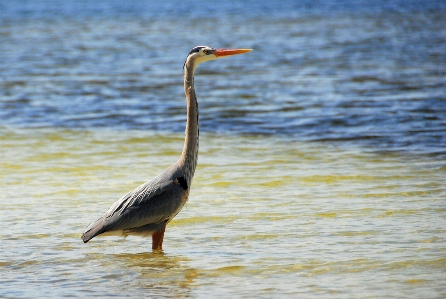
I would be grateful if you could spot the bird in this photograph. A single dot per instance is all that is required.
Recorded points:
(146, 210)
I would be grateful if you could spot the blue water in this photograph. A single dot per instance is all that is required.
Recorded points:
(355, 73)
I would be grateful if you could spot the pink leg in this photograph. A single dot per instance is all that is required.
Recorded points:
(157, 239)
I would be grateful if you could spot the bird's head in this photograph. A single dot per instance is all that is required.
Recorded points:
(201, 54)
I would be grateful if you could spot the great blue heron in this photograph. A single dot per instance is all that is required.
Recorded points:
(146, 210)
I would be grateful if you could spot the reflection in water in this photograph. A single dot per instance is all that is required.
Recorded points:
(160, 274)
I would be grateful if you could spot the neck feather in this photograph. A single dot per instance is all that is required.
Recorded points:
(189, 156)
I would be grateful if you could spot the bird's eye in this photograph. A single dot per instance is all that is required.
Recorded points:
(206, 52)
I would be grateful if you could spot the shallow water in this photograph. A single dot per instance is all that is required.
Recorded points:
(322, 153)
(266, 217)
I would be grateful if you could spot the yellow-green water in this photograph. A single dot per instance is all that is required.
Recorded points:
(267, 217)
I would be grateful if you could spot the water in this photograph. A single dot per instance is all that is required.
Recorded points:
(321, 169)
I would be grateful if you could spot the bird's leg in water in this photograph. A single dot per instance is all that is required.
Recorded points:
(157, 238)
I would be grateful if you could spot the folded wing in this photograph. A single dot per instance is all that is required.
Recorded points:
(154, 202)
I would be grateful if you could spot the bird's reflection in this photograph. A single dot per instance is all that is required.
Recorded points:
(159, 273)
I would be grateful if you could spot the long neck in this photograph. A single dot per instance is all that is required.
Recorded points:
(189, 156)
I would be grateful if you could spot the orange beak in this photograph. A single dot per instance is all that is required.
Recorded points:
(229, 52)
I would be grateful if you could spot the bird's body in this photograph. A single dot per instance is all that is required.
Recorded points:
(146, 210)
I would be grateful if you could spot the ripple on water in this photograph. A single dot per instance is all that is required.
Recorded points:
(321, 168)
(302, 212)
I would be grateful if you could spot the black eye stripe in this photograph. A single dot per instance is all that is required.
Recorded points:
(196, 49)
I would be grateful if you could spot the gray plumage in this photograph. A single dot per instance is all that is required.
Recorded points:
(146, 210)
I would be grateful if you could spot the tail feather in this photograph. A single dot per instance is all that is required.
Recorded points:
(94, 229)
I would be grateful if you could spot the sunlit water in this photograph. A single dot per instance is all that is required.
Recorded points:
(266, 217)
(322, 153)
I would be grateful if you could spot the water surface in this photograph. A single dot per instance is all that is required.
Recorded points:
(322, 154)
(266, 217)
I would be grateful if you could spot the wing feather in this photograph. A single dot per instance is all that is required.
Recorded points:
(151, 203)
